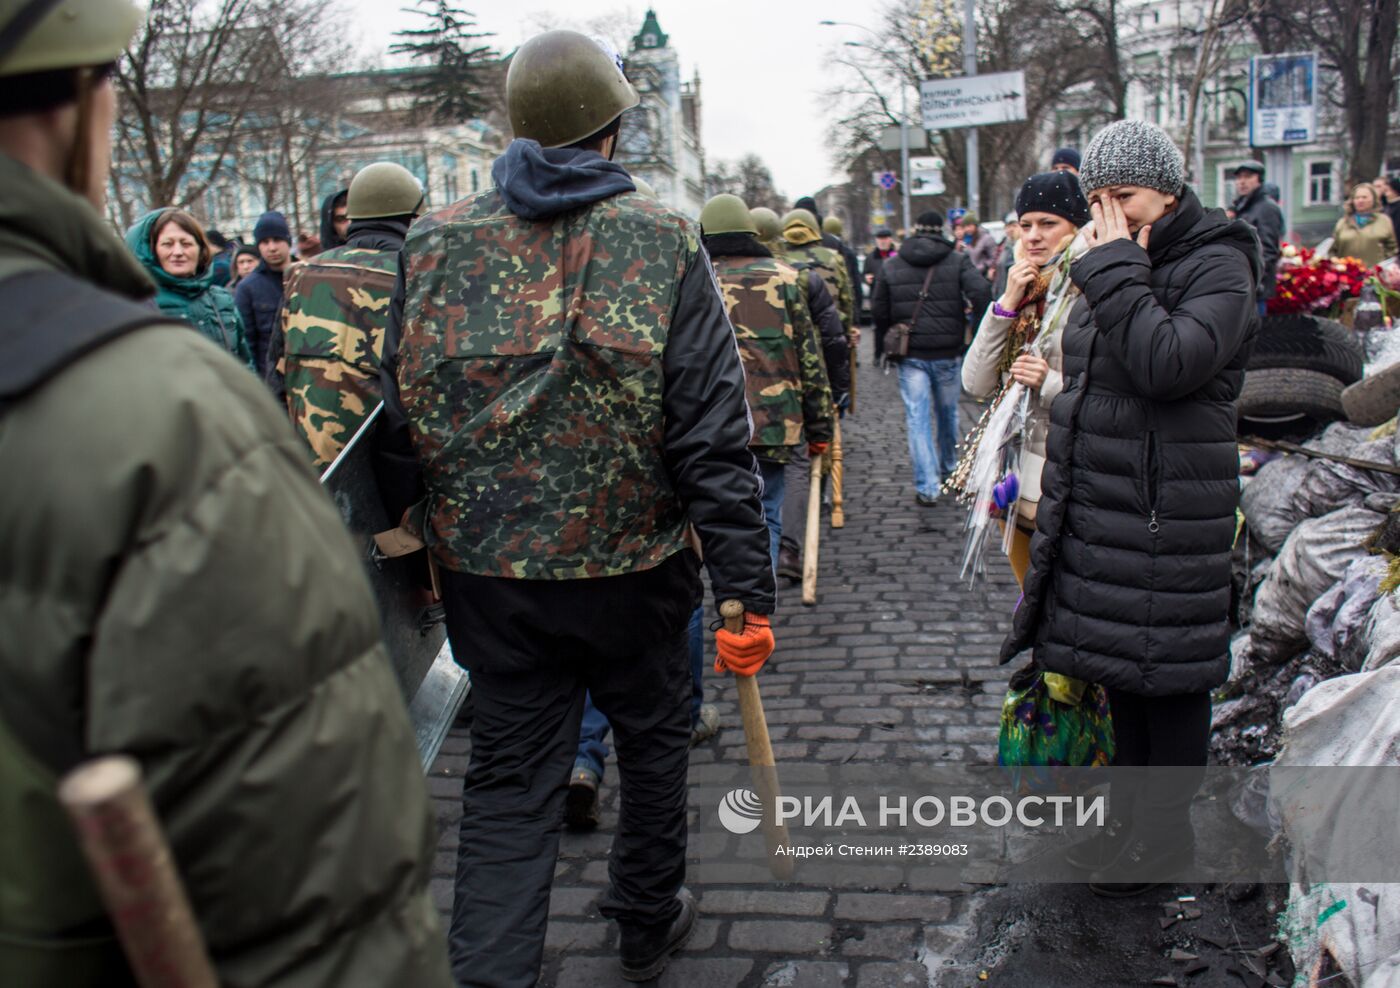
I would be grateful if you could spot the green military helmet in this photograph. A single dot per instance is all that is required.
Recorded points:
(563, 86)
(383, 189)
(68, 34)
(644, 188)
(726, 213)
(803, 217)
(834, 226)
(766, 221)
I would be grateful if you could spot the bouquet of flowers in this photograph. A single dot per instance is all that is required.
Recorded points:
(1308, 282)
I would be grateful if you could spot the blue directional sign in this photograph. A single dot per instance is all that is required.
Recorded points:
(888, 180)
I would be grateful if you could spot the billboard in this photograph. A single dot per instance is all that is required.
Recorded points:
(1282, 99)
(973, 100)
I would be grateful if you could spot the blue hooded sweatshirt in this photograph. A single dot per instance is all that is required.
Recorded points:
(537, 183)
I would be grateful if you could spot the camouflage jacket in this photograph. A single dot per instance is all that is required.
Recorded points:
(785, 378)
(832, 268)
(530, 370)
(333, 317)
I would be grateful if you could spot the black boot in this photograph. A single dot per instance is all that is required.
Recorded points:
(646, 950)
(1101, 850)
(1146, 863)
(789, 561)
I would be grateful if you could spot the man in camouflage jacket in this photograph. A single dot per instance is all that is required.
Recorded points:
(788, 393)
(325, 361)
(803, 249)
(559, 364)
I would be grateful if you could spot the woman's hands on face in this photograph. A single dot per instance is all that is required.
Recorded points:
(1030, 371)
(1109, 224)
(1018, 281)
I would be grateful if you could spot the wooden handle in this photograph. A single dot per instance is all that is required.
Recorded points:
(733, 613)
(813, 534)
(837, 464)
(135, 873)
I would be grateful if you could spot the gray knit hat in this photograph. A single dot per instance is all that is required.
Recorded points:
(1133, 152)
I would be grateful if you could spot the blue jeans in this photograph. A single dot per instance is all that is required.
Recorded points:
(593, 731)
(918, 381)
(774, 486)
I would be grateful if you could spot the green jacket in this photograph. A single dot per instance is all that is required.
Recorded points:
(206, 306)
(175, 585)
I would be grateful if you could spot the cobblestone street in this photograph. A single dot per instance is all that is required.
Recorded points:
(895, 664)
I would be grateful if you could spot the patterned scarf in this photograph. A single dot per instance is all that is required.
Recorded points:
(1027, 324)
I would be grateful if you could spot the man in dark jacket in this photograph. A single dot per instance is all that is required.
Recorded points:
(1254, 206)
(178, 588)
(938, 322)
(259, 295)
(874, 261)
(832, 239)
(335, 219)
(1388, 195)
(560, 532)
(1129, 584)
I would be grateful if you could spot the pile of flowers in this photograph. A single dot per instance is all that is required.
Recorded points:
(1310, 282)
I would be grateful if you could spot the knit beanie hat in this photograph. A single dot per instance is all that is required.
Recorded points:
(271, 225)
(1053, 192)
(1066, 156)
(1133, 152)
(930, 222)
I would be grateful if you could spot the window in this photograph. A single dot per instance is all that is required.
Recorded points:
(1225, 190)
(1322, 183)
(476, 183)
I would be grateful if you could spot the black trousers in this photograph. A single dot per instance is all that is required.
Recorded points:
(1167, 738)
(533, 648)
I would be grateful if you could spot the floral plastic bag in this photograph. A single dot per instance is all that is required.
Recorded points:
(1037, 729)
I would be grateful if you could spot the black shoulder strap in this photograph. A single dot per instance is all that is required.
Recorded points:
(49, 319)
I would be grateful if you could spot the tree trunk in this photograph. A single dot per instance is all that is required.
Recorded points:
(1369, 111)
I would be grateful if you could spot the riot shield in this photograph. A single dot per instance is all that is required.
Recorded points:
(433, 684)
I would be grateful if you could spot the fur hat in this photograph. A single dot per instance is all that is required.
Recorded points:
(1133, 152)
(1053, 192)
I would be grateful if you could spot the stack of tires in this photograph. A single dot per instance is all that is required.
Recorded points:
(1296, 377)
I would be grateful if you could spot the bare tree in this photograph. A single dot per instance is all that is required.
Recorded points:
(1222, 23)
(1357, 40)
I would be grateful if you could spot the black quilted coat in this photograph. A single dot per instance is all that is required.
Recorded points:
(1130, 577)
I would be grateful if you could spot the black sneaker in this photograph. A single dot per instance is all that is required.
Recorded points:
(925, 500)
(646, 950)
(581, 804)
(1101, 850)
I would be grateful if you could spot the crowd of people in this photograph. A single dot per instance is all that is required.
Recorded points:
(587, 398)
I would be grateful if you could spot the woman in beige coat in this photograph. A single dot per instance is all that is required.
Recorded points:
(1364, 232)
(1018, 340)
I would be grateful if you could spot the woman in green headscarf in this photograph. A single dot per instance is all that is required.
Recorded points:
(171, 245)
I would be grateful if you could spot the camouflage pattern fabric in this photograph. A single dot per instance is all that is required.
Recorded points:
(530, 370)
(784, 377)
(333, 318)
(832, 268)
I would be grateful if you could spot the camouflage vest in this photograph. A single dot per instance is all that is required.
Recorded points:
(829, 266)
(530, 370)
(759, 295)
(337, 305)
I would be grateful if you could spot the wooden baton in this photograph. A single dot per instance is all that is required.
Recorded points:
(761, 765)
(135, 874)
(837, 466)
(813, 534)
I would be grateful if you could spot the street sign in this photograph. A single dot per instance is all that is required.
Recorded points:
(887, 180)
(889, 139)
(928, 183)
(926, 164)
(973, 100)
(1282, 99)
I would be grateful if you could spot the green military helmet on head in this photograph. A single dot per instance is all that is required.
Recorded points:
(67, 34)
(383, 189)
(563, 87)
(726, 213)
(801, 217)
(766, 221)
(834, 226)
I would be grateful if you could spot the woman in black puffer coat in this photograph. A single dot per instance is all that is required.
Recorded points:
(1130, 578)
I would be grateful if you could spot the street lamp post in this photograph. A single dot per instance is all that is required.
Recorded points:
(974, 191)
(903, 120)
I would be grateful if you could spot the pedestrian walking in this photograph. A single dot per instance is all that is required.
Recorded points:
(1019, 337)
(245, 262)
(929, 287)
(335, 220)
(170, 245)
(259, 293)
(1388, 196)
(178, 588)
(874, 261)
(323, 360)
(1255, 206)
(833, 235)
(562, 453)
(803, 248)
(978, 244)
(1007, 255)
(222, 264)
(1129, 584)
(1364, 231)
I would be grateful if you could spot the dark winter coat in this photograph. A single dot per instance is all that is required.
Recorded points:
(852, 268)
(939, 331)
(259, 299)
(1262, 213)
(1130, 578)
(329, 239)
(874, 261)
(836, 349)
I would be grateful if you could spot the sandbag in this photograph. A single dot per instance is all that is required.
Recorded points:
(1381, 634)
(1312, 559)
(1336, 622)
(1329, 485)
(1270, 500)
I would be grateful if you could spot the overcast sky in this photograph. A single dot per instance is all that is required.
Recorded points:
(763, 64)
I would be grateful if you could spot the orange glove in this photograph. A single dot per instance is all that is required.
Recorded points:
(817, 449)
(744, 654)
